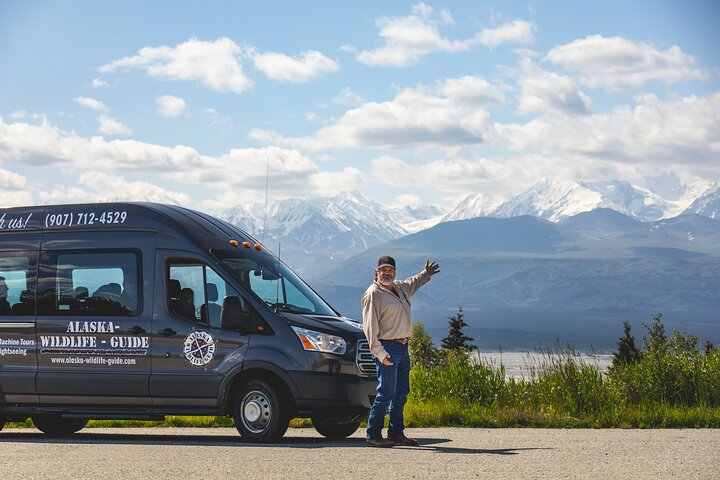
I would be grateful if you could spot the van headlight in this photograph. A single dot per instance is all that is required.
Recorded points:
(320, 342)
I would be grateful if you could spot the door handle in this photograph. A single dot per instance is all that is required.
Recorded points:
(167, 332)
(136, 329)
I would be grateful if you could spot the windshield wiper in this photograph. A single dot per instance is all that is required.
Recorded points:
(284, 307)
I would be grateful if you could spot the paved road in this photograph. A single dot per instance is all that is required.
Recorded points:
(200, 454)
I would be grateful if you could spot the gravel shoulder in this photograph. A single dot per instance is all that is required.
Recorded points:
(444, 453)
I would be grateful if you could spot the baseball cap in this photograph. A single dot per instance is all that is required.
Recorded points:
(386, 261)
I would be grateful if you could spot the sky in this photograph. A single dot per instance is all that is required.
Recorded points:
(214, 104)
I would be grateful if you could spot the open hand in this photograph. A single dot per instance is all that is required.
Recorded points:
(431, 268)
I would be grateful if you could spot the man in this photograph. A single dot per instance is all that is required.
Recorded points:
(4, 304)
(387, 324)
(129, 294)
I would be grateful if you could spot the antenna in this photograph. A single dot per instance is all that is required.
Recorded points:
(277, 285)
(267, 183)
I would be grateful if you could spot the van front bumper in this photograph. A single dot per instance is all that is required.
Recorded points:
(336, 395)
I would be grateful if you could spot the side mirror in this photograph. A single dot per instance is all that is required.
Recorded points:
(235, 314)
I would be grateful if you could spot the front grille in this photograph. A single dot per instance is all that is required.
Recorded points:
(365, 359)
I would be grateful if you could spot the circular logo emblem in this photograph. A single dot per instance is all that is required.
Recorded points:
(199, 348)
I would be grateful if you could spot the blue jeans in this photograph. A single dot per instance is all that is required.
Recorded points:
(392, 391)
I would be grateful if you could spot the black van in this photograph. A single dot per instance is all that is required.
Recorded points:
(141, 310)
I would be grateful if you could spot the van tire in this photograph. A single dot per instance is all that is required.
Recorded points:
(57, 425)
(334, 429)
(261, 413)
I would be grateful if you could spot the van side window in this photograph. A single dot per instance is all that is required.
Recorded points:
(196, 291)
(17, 285)
(94, 283)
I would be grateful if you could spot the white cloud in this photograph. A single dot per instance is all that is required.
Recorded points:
(99, 83)
(407, 200)
(447, 17)
(214, 64)
(450, 114)
(47, 145)
(15, 189)
(518, 31)
(307, 66)
(170, 106)
(23, 115)
(291, 174)
(92, 104)
(472, 90)
(110, 126)
(467, 175)
(102, 187)
(683, 131)
(616, 63)
(216, 119)
(407, 39)
(547, 92)
(347, 97)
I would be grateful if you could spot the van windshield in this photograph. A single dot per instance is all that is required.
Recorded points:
(275, 284)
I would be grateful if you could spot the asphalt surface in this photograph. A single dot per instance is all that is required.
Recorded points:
(199, 454)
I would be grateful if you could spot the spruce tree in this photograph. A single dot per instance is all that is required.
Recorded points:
(655, 341)
(627, 351)
(456, 344)
(422, 351)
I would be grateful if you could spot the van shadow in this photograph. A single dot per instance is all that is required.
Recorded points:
(435, 445)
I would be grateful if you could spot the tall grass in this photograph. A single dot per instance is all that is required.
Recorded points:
(662, 389)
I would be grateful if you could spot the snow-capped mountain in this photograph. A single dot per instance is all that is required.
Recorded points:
(707, 204)
(647, 199)
(558, 199)
(414, 218)
(472, 206)
(314, 234)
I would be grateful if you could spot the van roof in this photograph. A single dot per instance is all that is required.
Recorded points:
(147, 216)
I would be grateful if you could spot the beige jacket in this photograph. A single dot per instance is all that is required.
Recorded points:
(385, 315)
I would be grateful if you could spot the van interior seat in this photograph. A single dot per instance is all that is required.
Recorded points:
(174, 295)
(111, 291)
(213, 308)
(187, 304)
(25, 307)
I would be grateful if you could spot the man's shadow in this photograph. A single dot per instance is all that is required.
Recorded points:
(435, 445)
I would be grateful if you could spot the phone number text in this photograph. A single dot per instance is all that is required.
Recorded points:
(85, 218)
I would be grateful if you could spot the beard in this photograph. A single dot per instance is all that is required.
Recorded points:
(386, 279)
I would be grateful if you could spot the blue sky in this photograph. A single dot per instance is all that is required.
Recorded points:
(405, 102)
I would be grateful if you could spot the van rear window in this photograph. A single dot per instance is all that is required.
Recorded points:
(17, 278)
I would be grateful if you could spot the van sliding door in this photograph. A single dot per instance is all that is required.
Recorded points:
(95, 309)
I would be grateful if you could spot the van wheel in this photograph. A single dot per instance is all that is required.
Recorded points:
(57, 425)
(261, 414)
(335, 429)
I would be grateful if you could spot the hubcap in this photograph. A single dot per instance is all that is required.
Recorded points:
(256, 411)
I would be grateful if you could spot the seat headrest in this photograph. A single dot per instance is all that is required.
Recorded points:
(212, 292)
(187, 294)
(114, 288)
(174, 287)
